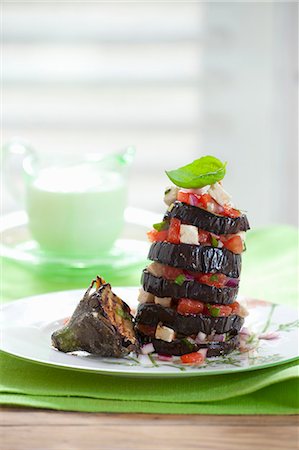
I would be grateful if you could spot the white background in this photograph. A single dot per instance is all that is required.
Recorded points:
(176, 79)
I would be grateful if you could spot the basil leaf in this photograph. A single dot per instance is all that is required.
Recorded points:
(201, 172)
(180, 279)
(160, 226)
(214, 241)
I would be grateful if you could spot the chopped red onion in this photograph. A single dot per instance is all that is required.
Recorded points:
(232, 282)
(200, 337)
(193, 200)
(203, 352)
(147, 348)
(165, 358)
(189, 277)
(219, 338)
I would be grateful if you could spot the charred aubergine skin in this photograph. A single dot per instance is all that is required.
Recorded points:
(180, 347)
(196, 258)
(152, 314)
(160, 287)
(101, 324)
(207, 221)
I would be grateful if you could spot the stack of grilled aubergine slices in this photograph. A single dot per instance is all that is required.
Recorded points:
(188, 298)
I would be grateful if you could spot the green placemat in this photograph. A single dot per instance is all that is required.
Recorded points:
(270, 271)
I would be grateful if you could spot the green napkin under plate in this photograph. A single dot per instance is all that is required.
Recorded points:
(269, 272)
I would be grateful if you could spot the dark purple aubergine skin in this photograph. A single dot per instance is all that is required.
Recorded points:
(152, 314)
(196, 258)
(180, 347)
(207, 221)
(160, 287)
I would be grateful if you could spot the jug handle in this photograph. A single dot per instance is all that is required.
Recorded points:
(18, 159)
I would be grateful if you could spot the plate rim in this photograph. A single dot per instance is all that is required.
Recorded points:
(124, 372)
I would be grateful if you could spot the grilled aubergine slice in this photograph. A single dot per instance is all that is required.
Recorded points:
(196, 258)
(101, 324)
(180, 347)
(160, 287)
(205, 220)
(152, 314)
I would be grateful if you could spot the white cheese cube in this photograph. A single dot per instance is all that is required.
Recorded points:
(155, 269)
(217, 192)
(145, 297)
(165, 301)
(170, 195)
(164, 333)
(189, 234)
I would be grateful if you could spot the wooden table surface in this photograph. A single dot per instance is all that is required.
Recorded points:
(27, 429)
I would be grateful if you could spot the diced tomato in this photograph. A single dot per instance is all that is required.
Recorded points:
(204, 200)
(157, 236)
(171, 273)
(212, 279)
(225, 310)
(192, 358)
(183, 197)
(230, 212)
(234, 244)
(174, 231)
(204, 237)
(235, 307)
(215, 310)
(187, 306)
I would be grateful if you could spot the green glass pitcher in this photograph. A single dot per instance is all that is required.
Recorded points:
(75, 203)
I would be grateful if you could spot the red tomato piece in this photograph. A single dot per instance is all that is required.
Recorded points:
(234, 244)
(230, 212)
(174, 231)
(155, 236)
(204, 237)
(235, 307)
(218, 310)
(192, 358)
(183, 197)
(187, 306)
(171, 273)
(212, 279)
(204, 200)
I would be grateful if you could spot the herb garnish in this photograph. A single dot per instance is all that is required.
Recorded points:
(180, 279)
(188, 343)
(213, 310)
(214, 241)
(201, 172)
(160, 226)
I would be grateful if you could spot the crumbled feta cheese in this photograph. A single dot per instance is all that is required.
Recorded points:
(217, 192)
(95, 314)
(145, 297)
(189, 234)
(155, 269)
(170, 195)
(164, 333)
(165, 301)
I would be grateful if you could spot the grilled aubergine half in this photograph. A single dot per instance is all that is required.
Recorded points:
(101, 324)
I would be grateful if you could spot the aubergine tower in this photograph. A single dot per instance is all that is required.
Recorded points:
(188, 297)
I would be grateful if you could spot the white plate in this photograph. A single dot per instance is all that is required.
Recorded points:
(27, 326)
